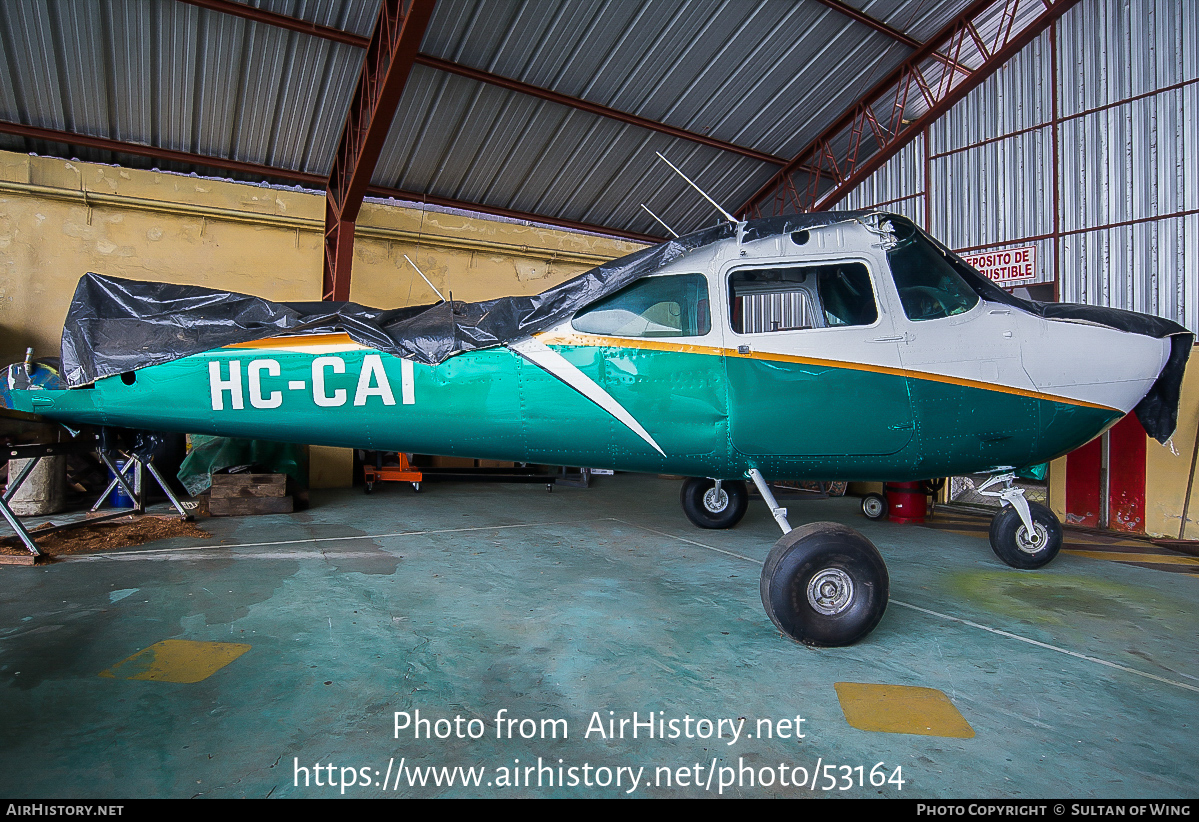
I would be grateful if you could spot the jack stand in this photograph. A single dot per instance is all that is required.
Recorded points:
(780, 514)
(136, 493)
(34, 453)
(1012, 495)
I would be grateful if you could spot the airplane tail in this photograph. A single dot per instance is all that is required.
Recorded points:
(21, 380)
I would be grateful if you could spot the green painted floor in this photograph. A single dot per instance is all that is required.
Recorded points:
(280, 650)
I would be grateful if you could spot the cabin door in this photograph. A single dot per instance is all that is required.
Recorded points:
(812, 364)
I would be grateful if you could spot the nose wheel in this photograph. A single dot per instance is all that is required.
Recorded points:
(1023, 534)
(1017, 545)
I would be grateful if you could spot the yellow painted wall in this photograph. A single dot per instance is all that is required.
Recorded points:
(330, 467)
(61, 219)
(1057, 487)
(1167, 469)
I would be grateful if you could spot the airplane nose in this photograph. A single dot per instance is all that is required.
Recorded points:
(1093, 364)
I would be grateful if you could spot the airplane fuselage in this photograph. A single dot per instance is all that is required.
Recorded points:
(804, 360)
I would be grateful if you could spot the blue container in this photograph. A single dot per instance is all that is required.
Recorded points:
(119, 498)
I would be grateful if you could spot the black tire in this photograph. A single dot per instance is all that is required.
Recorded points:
(1010, 540)
(824, 584)
(874, 506)
(708, 510)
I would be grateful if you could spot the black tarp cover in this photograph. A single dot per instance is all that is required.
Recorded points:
(115, 325)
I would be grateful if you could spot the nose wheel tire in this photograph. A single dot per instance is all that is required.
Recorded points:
(1012, 543)
(708, 507)
(825, 584)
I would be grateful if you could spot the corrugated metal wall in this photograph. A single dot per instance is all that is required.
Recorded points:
(1124, 229)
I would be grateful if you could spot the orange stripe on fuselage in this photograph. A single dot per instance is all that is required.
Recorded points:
(321, 343)
(656, 345)
(304, 343)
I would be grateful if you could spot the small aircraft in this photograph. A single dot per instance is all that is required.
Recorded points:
(848, 346)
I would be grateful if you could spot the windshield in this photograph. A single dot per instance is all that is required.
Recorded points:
(929, 285)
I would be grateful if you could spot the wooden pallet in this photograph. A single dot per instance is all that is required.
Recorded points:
(239, 495)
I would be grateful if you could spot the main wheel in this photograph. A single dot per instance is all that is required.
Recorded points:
(708, 508)
(874, 506)
(825, 584)
(1012, 543)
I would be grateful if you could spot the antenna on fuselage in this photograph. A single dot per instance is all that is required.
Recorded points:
(660, 220)
(727, 216)
(423, 277)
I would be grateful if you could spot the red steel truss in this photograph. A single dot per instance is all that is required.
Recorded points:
(389, 58)
(970, 48)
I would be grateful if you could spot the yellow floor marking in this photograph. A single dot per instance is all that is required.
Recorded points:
(901, 709)
(1124, 556)
(177, 660)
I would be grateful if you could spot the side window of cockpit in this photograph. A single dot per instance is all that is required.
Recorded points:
(798, 297)
(846, 295)
(671, 306)
(928, 285)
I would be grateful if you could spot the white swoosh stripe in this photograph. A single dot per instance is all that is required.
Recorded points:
(544, 357)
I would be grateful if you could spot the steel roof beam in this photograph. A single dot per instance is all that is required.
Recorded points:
(878, 25)
(282, 21)
(838, 156)
(446, 202)
(385, 70)
(895, 34)
(303, 177)
(594, 108)
(156, 153)
(437, 63)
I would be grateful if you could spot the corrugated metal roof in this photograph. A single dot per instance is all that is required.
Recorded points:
(767, 75)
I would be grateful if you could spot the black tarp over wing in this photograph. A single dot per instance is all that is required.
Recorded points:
(116, 325)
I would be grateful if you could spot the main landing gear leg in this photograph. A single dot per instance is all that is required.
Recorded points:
(823, 584)
(1023, 534)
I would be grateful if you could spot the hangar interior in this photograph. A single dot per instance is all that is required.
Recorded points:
(309, 150)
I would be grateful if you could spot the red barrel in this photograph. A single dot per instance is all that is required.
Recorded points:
(906, 501)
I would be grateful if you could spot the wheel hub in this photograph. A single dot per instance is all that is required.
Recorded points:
(715, 501)
(830, 591)
(1034, 543)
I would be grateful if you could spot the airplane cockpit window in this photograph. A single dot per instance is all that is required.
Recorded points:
(799, 297)
(846, 295)
(928, 285)
(671, 306)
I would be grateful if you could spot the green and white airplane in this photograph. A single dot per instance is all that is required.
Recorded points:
(841, 346)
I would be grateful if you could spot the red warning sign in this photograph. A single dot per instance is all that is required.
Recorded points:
(1009, 267)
